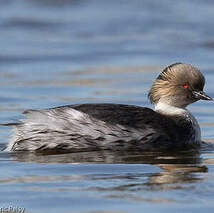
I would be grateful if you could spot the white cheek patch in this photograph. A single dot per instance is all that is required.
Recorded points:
(168, 109)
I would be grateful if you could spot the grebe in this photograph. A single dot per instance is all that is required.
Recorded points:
(86, 127)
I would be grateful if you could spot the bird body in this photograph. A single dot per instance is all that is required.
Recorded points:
(88, 127)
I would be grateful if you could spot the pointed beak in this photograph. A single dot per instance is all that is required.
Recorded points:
(201, 95)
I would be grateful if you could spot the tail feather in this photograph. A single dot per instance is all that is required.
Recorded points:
(10, 124)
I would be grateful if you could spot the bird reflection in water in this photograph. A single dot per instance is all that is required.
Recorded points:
(175, 168)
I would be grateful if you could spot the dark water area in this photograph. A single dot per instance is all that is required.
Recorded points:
(57, 52)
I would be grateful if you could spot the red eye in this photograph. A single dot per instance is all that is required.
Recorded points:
(185, 86)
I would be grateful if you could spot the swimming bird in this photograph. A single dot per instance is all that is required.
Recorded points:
(86, 127)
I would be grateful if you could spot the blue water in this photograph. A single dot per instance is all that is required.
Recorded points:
(56, 52)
